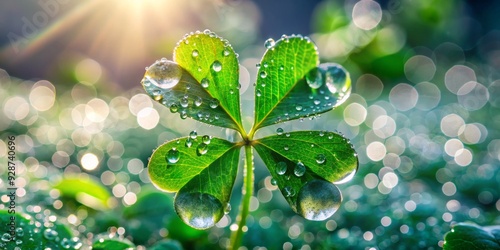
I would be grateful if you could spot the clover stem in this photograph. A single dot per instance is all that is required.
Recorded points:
(248, 179)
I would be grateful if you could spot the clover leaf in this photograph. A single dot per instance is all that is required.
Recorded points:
(202, 83)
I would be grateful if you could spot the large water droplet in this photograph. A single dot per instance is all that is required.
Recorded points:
(163, 74)
(281, 168)
(279, 131)
(193, 134)
(314, 78)
(300, 169)
(173, 156)
(198, 210)
(320, 158)
(216, 66)
(202, 149)
(318, 200)
(269, 43)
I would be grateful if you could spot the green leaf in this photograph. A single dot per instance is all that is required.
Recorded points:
(105, 242)
(471, 236)
(166, 245)
(291, 85)
(202, 171)
(21, 230)
(85, 190)
(201, 84)
(306, 165)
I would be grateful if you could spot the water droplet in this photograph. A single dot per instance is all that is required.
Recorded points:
(286, 148)
(214, 103)
(198, 101)
(202, 149)
(19, 242)
(194, 53)
(282, 67)
(269, 43)
(173, 156)
(258, 93)
(274, 182)
(184, 102)
(66, 243)
(287, 134)
(263, 74)
(19, 232)
(289, 191)
(321, 133)
(206, 139)
(198, 210)
(6, 237)
(50, 234)
(317, 102)
(228, 208)
(318, 200)
(279, 131)
(298, 107)
(193, 134)
(216, 66)
(183, 114)
(281, 168)
(226, 52)
(231, 91)
(320, 158)
(163, 74)
(205, 82)
(188, 142)
(300, 169)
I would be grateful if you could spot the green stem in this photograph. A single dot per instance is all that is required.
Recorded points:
(237, 235)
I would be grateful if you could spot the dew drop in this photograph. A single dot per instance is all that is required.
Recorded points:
(299, 170)
(282, 67)
(184, 102)
(193, 134)
(173, 156)
(279, 131)
(228, 208)
(317, 102)
(298, 107)
(289, 191)
(198, 101)
(318, 200)
(263, 74)
(202, 149)
(314, 78)
(269, 43)
(274, 182)
(198, 210)
(163, 74)
(195, 53)
(281, 168)
(205, 82)
(66, 243)
(50, 234)
(214, 103)
(206, 139)
(286, 148)
(188, 142)
(258, 93)
(6, 237)
(320, 158)
(183, 114)
(216, 66)
(226, 52)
